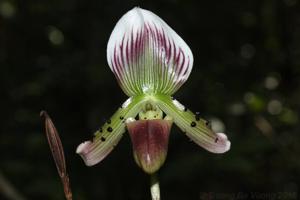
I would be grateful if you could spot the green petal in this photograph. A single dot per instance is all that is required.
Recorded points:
(197, 129)
(111, 132)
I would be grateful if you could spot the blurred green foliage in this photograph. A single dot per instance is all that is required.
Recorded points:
(246, 77)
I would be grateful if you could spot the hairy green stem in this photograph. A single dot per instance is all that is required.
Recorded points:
(154, 188)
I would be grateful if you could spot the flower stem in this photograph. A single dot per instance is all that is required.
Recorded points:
(154, 188)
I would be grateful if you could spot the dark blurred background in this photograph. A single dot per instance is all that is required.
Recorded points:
(245, 80)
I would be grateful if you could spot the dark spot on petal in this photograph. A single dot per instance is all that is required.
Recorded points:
(145, 117)
(207, 123)
(100, 130)
(216, 140)
(102, 139)
(193, 124)
(121, 118)
(109, 121)
(197, 116)
(185, 109)
(109, 129)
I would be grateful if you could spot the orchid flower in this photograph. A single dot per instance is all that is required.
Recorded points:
(150, 62)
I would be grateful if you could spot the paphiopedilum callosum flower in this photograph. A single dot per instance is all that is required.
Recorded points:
(150, 62)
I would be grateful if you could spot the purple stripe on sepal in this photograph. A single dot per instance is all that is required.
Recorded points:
(144, 52)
